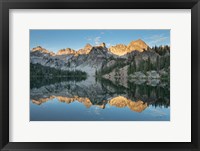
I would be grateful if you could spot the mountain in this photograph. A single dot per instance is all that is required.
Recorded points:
(88, 59)
(117, 61)
(67, 51)
(39, 49)
(92, 61)
(85, 50)
(138, 45)
(121, 49)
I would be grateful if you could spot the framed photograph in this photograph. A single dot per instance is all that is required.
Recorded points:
(101, 75)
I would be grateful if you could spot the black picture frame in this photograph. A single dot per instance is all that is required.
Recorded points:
(5, 5)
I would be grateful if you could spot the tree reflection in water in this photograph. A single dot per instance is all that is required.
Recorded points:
(99, 92)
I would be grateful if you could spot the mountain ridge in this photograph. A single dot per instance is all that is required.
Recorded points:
(108, 62)
(118, 49)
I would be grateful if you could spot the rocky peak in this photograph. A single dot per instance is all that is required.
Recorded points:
(103, 45)
(119, 49)
(67, 51)
(42, 50)
(88, 46)
(100, 51)
(138, 45)
(85, 50)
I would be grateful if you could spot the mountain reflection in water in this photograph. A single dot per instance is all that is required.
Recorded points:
(119, 102)
(98, 100)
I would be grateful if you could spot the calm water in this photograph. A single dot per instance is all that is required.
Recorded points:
(99, 100)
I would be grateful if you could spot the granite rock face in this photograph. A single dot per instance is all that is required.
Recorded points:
(121, 49)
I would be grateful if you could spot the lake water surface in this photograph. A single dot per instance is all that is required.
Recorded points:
(95, 99)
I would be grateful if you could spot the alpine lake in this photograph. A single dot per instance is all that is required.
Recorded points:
(99, 99)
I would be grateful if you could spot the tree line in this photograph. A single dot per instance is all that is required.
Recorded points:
(37, 70)
(162, 62)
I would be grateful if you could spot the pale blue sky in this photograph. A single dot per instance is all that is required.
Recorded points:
(55, 40)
